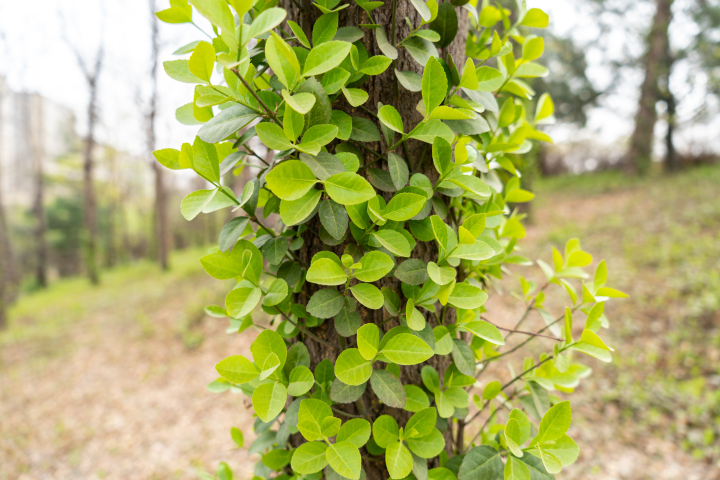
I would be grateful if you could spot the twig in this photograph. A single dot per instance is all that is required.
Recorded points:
(270, 113)
(310, 334)
(351, 415)
(523, 332)
(501, 389)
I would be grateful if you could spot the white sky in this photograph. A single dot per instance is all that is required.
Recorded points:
(34, 57)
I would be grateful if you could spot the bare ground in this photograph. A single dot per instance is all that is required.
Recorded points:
(120, 391)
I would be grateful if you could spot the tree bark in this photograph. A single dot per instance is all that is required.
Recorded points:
(162, 238)
(382, 88)
(641, 142)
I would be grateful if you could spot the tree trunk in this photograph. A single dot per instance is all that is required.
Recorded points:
(90, 214)
(381, 88)
(671, 164)
(36, 140)
(8, 273)
(162, 239)
(641, 142)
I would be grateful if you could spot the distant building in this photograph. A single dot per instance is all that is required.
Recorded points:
(33, 132)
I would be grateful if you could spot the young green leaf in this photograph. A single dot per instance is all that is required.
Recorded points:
(434, 85)
(348, 188)
(351, 368)
(325, 57)
(268, 400)
(406, 349)
(369, 295)
(309, 458)
(326, 272)
(290, 180)
(368, 338)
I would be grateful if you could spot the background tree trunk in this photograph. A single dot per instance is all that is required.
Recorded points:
(641, 142)
(381, 88)
(162, 238)
(90, 214)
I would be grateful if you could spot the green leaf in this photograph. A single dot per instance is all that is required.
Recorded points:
(486, 331)
(241, 301)
(237, 369)
(293, 212)
(388, 388)
(489, 79)
(268, 400)
(404, 206)
(309, 458)
(237, 263)
(351, 368)
(226, 123)
(267, 343)
(325, 28)
(283, 61)
(300, 102)
(477, 251)
(274, 250)
(406, 349)
(516, 470)
(423, 422)
(535, 18)
(276, 293)
(472, 184)
(334, 218)
(375, 65)
(273, 136)
(325, 303)
(344, 458)
(301, 380)
(398, 170)
(348, 34)
(564, 449)
(507, 113)
(384, 45)
(290, 180)
(481, 463)
(512, 437)
(393, 241)
(469, 78)
(276, 459)
(347, 322)
(348, 188)
(232, 231)
(195, 202)
(420, 50)
(325, 57)
(429, 446)
(375, 265)
(410, 80)
(368, 338)
(523, 424)
(310, 417)
(180, 71)
(323, 165)
(334, 80)
(440, 275)
(369, 295)
(390, 117)
(364, 130)
(202, 60)
(554, 423)
(431, 129)
(398, 460)
(422, 9)
(299, 34)
(533, 49)
(326, 272)
(434, 85)
(412, 272)
(355, 96)
(342, 393)
(330, 426)
(467, 296)
(385, 430)
(416, 398)
(264, 22)
(320, 135)
(175, 14)
(446, 24)
(205, 159)
(355, 431)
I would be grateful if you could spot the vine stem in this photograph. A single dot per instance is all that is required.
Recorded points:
(270, 113)
(501, 389)
(523, 332)
(306, 332)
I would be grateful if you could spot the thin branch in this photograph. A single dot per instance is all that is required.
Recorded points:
(523, 332)
(306, 332)
(351, 415)
(270, 113)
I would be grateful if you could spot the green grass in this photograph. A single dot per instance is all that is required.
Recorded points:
(44, 314)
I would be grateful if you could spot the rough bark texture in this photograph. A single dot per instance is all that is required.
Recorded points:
(655, 66)
(162, 237)
(381, 88)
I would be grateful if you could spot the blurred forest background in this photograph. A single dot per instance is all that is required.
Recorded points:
(105, 345)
